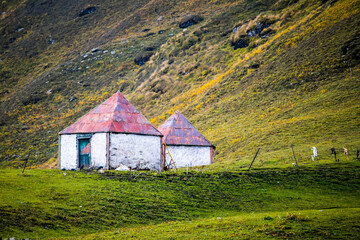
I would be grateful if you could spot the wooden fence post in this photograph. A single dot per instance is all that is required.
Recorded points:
(334, 152)
(292, 147)
(26, 163)
(254, 159)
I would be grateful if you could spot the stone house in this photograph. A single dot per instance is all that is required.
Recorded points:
(112, 134)
(186, 145)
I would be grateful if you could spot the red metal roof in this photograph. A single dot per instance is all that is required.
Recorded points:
(177, 130)
(114, 115)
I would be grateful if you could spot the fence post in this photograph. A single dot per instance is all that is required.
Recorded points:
(254, 159)
(26, 163)
(292, 147)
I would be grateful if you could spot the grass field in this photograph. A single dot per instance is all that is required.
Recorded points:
(312, 201)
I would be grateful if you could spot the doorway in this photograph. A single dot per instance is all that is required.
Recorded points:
(84, 153)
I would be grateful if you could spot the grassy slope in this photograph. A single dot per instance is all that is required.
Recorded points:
(303, 224)
(303, 92)
(48, 203)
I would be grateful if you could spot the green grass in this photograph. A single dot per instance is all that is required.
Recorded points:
(48, 203)
(303, 224)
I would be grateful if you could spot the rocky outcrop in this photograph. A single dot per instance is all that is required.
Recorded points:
(190, 20)
(144, 56)
(87, 11)
(240, 43)
(258, 27)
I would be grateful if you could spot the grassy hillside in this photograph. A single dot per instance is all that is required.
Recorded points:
(304, 224)
(317, 201)
(295, 81)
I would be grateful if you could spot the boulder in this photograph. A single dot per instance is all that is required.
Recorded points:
(73, 98)
(94, 50)
(190, 20)
(122, 167)
(87, 11)
(143, 57)
(240, 43)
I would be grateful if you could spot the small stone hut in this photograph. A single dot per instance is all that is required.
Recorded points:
(112, 134)
(187, 146)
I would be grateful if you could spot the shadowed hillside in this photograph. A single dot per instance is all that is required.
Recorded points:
(248, 74)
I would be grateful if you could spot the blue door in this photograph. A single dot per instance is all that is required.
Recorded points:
(84, 153)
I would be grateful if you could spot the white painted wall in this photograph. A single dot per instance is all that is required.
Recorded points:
(68, 151)
(98, 150)
(189, 155)
(135, 151)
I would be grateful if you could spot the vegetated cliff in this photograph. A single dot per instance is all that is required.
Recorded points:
(248, 74)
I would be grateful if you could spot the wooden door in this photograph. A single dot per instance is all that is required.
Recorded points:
(84, 153)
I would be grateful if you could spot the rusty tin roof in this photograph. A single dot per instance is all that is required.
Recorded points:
(177, 130)
(114, 115)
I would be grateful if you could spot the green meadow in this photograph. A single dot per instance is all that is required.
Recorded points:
(311, 201)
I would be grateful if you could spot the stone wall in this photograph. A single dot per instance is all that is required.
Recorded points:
(189, 156)
(135, 151)
(68, 151)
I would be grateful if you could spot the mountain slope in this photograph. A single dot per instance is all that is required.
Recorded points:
(293, 79)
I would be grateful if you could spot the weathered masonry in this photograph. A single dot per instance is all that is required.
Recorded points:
(112, 134)
(186, 145)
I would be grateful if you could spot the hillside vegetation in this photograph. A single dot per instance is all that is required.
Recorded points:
(247, 74)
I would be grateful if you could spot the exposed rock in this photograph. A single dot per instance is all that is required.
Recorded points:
(87, 11)
(32, 99)
(149, 34)
(160, 18)
(240, 43)
(122, 167)
(112, 52)
(106, 51)
(122, 42)
(161, 31)
(146, 30)
(19, 29)
(11, 40)
(73, 98)
(255, 65)
(190, 20)
(258, 28)
(143, 57)
(149, 49)
(94, 50)
(25, 127)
